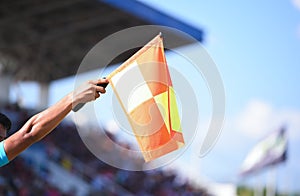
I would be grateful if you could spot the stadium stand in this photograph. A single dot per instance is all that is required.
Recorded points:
(61, 165)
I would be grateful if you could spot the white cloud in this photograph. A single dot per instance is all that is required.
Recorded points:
(253, 119)
(259, 118)
(296, 3)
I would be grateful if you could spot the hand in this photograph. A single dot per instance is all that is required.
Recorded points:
(89, 91)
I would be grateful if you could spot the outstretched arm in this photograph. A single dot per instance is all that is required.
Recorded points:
(38, 126)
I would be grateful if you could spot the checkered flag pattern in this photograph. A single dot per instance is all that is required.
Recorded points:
(144, 89)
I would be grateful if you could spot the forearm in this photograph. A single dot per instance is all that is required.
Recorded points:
(37, 127)
(44, 122)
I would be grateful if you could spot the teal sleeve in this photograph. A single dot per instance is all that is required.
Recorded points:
(3, 157)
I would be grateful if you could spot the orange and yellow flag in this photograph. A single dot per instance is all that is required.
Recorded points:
(144, 89)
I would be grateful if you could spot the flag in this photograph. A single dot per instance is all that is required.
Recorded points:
(270, 151)
(144, 89)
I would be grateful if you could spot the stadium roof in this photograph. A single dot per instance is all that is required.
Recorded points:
(43, 40)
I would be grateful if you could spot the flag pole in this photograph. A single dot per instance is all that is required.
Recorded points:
(258, 188)
(271, 181)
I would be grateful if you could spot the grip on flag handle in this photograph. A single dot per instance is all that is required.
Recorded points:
(80, 105)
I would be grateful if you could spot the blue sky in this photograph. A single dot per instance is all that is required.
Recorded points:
(256, 46)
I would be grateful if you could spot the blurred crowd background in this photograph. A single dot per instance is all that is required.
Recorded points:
(27, 175)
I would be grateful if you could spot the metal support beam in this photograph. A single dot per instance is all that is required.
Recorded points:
(5, 81)
(155, 17)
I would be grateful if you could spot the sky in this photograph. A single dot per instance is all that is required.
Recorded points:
(256, 47)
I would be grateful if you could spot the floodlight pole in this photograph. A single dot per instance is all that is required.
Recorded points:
(258, 189)
(271, 181)
(5, 81)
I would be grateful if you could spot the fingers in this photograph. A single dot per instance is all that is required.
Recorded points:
(97, 95)
(89, 91)
(99, 86)
(100, 89)
(94, 89)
